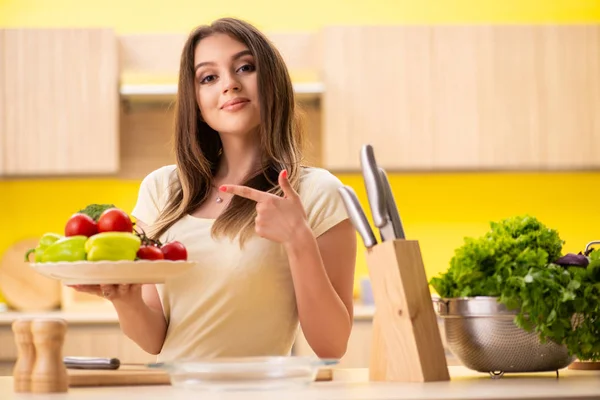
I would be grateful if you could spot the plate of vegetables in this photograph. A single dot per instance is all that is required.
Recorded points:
(101, 246)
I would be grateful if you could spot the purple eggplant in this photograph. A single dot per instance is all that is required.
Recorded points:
(575, 260)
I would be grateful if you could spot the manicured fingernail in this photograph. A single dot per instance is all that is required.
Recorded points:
(284, 173)
(222, 188)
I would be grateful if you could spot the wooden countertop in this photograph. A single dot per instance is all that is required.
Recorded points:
(361, 312)
(353, 384)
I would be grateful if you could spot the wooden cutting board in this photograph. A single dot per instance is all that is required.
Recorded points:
(124, 376)
(137, 376)
(22, 287)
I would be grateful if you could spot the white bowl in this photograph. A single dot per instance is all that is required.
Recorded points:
(245, 373)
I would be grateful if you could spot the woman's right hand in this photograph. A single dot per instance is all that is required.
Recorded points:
(113, 293)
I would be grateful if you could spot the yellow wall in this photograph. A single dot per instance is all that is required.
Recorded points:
(178, 15)
(437, 209)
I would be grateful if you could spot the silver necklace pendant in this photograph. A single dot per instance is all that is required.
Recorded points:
(219, 199)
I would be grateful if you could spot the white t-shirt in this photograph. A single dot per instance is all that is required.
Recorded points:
(234, 302)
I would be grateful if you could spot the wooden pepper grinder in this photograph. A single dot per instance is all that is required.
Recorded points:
(25, 355)
(49, 373)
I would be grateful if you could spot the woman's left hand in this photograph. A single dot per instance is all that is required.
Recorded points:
(279, 219)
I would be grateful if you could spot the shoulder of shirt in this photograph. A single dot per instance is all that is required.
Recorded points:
(317, 179)
(161, 175)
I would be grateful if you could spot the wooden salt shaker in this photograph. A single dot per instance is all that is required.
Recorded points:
(25, 355)
(49, 372)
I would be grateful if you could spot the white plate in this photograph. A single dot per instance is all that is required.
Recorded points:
(112, 272)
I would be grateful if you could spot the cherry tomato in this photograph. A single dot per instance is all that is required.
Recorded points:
(150, 253)
(114, 220)
(81, 224)
(174, 251)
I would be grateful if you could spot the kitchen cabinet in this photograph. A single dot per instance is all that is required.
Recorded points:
(479, 97)
(146, 128)
(428, 98)
(146, 133)
(60, 102)
(484, 97)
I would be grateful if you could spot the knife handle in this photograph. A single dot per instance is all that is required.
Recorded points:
(357, 216)
(373, 185)
(91, 363)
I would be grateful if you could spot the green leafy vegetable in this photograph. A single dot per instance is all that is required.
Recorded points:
(516, 262)
(481, 266)
(95, 210)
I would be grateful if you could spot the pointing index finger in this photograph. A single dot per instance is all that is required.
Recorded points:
(245, 191)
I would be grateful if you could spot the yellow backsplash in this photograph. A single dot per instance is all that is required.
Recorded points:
(135, 16)
(439, 210)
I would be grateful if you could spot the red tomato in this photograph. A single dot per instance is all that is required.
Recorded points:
(114, 220)
(150, 253)
(174, 251)
(81, 224)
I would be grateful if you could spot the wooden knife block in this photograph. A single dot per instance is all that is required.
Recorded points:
(407, 346)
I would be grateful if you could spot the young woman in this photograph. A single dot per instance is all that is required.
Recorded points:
(272, 242)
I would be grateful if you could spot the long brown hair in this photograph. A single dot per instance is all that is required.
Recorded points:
(197, 146)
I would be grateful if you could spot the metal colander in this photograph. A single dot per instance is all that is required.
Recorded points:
(482, 334)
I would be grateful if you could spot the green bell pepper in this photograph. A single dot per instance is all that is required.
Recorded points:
(46, 240)
(71, 248)
(113, 246)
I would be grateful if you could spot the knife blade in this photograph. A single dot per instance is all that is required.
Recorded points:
(357, 216)
(376, 193)
(392, 208)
